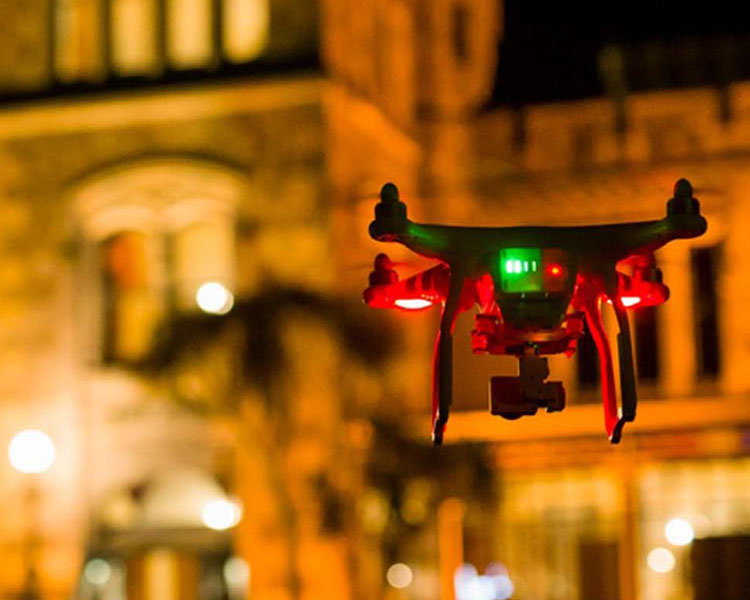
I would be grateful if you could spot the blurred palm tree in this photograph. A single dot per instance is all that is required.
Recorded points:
(211, 362)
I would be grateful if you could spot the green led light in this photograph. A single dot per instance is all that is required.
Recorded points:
(519, 270)
(518, 266)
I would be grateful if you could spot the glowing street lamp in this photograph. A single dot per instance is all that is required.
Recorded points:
(32, 452)
(399, 576)
(661, 560)
(221, 514)
(214, 298)
(679, 532)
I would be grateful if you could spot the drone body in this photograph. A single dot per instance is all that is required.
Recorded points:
(533, 287)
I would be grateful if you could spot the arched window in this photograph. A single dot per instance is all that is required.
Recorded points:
(189, 33)
(78, 39)
(198, 30)
(153, 234)
(245, 29)
(134, 36)
(125, 38)
(131, 308)
(202, 254)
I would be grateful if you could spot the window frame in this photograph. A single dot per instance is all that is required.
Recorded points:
(158, 198)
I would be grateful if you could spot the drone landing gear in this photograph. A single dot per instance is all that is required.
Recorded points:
(514, 397)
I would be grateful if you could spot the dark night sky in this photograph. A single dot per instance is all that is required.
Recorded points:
(550, 49)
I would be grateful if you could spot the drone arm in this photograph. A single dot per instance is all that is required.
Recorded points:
(442, 374)
(427, 240)
(683, 221)
(651, 236)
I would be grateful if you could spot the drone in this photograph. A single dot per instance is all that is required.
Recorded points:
(534, 287)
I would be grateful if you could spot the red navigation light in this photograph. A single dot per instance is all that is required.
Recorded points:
(630, 301)
(554, 270)
(413, 303)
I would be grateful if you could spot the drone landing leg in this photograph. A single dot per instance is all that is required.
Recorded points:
(629, 399)
(593, 311)
(442, 368)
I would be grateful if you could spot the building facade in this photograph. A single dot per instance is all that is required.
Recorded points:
(149, 148)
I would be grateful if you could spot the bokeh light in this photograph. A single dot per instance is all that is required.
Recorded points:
(414, 507)
(495, 584)
(399, 576)
(221, 514)
(414, 511)
(97, 572)
(214, 298)
(374, 511)
(502, 582)
(679, 532)
(237, 573)
(503, 585)
(31, 451)
(660, 560)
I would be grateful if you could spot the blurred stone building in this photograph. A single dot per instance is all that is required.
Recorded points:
(148, 148)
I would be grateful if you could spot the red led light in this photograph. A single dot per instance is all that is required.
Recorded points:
(629, 301)
(554, 270)
(413, 303)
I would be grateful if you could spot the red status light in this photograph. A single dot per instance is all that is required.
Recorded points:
(554, 270)
(412, 303)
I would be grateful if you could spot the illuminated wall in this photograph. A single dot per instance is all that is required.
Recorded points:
(116, 212)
